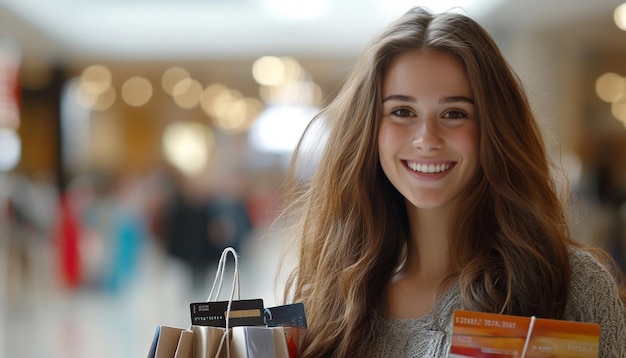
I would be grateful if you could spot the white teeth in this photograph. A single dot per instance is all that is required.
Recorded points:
(428, 168)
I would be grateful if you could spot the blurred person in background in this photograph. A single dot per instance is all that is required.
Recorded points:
(434, 193)
(117, 217)
(33, 204)
(200, 221)
(100, 231)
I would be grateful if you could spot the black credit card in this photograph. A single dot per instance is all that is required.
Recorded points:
(242, 313)
(288, 315)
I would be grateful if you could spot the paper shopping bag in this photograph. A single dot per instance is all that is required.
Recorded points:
(280, 343)
(165, 342)
(209, 341)
(233, 328)
(258, 342)
(200, 341)
(185, 345)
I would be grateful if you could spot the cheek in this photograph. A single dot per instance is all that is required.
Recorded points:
(389, 139)
(468, 143)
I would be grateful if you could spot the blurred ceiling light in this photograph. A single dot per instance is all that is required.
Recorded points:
(619, 16)
(187, 93)
(136, 91)
(254, 108)
(279, 128)
(239, 115)
(296, 10)
(268, 71)
(171, 77)
(96, 79)
(225, 100)
(276, 71)
(293, 69)
(228, 109)
(105, 100)
(10, 149)
(209, 96)
(187, 146)
(97, 102)
(610, 87)
(306, 93)
(233, 116)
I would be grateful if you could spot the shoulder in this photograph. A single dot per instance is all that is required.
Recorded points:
(589, 274)
(594, 297)
(584, 265)
(591, 283)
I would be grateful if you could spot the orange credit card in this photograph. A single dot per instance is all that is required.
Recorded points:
(490, 335)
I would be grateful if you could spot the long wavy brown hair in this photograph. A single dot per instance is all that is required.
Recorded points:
(509, 244)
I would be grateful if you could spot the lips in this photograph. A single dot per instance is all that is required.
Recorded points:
(429, 168)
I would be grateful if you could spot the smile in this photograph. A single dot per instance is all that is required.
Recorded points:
(428, 168)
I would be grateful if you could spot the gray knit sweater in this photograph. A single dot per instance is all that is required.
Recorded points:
(593, 298)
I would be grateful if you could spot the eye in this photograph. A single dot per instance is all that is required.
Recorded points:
(455, 114)
(403, 112)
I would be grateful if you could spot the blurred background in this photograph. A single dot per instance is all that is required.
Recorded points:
(138, 138)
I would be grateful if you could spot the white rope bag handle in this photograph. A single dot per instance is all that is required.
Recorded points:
(528, 334)
(219, 275)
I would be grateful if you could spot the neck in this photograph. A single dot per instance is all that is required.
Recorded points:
(428, 254)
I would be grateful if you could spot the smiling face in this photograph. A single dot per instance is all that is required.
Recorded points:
(428, 137)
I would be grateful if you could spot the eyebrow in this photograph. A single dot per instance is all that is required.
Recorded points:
(451, 99)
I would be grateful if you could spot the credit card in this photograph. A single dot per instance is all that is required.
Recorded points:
(242, 313)
(292, 315)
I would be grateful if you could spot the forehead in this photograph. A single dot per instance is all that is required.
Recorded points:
(427, 71)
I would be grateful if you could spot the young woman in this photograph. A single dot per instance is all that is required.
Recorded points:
(434, 193)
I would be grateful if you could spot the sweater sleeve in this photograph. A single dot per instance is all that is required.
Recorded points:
(594, 297)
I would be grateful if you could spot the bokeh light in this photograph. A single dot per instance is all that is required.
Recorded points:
(136, 91)
(210, 95)
(95, 90)
(96, 79)
(610, 87)
(279, 128)
(187, 146)
(276, 71)
(619, 16)
(268, 71)
(105, 100)
(171, 77)
(238, 116)
(187, 93)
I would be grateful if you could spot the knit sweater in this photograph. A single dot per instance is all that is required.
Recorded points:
(593, 298)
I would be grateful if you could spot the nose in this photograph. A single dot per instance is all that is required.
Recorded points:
(428, 136)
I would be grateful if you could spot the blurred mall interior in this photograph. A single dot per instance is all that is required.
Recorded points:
(139, 138)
